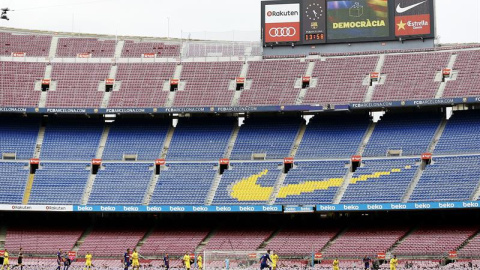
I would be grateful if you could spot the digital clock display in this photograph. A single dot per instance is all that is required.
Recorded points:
(309, 37)
(313, 21)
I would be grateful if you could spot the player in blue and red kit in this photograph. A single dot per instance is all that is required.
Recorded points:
(166, 261)
(59, 260)
(264, 261)
(66, 261)
(127, 260)
(366, 261)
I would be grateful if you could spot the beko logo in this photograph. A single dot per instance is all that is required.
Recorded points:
(84, 208)
(407, 8)
(282, 13)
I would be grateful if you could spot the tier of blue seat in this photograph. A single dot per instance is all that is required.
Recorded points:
(141, 137)
(121, 183)
(409, 132)
(19, 135)
(461, 134)
(13, 178)
(386, 180)
(184, 183)
(71, 139)
(317, 171)
(272, 136)
(240, 171)
(336, 136)
(201, 139)
(380, 181)
(448, 178)
(59, 183)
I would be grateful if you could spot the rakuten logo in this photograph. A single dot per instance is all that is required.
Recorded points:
(282, 13)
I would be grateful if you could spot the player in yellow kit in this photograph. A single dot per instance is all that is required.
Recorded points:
(135, 263)
(5, 260)
(393, 263)
(274, 258)
(88, 261)
(336, 264)
(186, 261)
(200, 262)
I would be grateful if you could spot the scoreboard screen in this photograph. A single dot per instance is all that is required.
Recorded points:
(300, 22)
(358, 19)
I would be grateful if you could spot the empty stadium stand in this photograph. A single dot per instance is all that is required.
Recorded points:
(31, 45)
(201, 138)
(207, 83)
(472, 248)
(405, 133)
(59, 183)
(132, 49)
(41, 240)
(136, 137)
(406, 74)
(410, 76)
(312, 182)
(290, 241)
(17, 81)
(196, 180)
(433, 240)
(71, 47)
(391, 176)
(13, 178)
(340, 80)
(461, 134)
(362, 240)
(141, 85)
(121, 183)
(234, 239)
(466, 82)
(274, 140)
(104, 242)
(336, 136)
(349, 239)
(273, 82)
(448, 179)
(18, 136)
(219, 49)
(77, 85)
(173, 241)
(71, 139)
(246, 183)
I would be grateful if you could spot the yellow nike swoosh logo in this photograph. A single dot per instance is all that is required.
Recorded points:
(247, 189)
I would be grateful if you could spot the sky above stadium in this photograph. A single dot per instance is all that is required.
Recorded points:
(238, 20)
